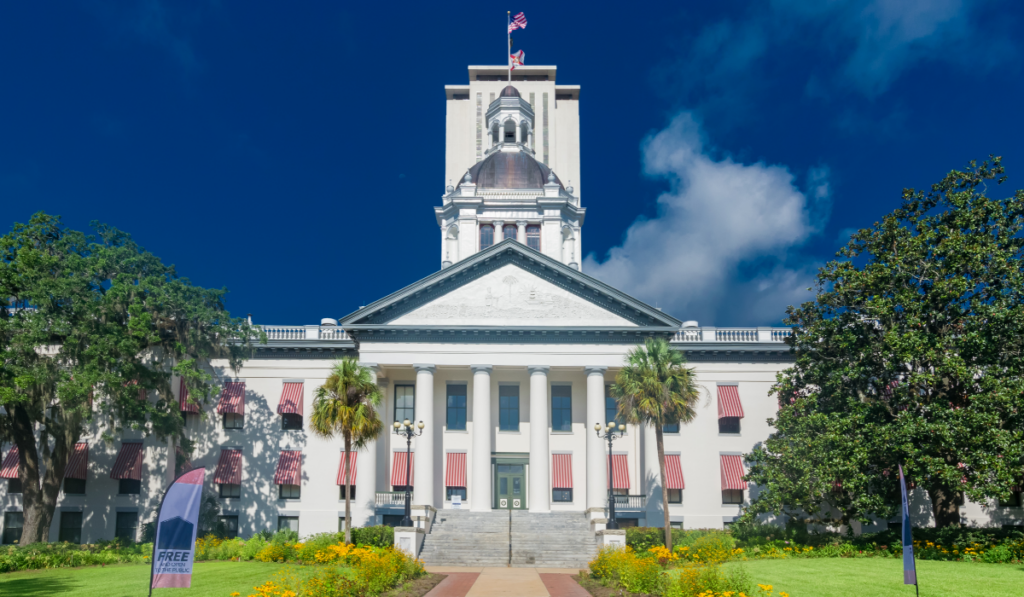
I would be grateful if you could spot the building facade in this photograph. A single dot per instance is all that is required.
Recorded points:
(505, 354)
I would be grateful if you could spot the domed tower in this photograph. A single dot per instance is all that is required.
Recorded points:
(509, 193)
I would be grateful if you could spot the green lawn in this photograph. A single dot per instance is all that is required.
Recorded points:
(883, 577)
(209, 579)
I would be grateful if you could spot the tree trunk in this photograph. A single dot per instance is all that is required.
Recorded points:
(40, 492)
(660, 437)
(944, 506)
(348, 489)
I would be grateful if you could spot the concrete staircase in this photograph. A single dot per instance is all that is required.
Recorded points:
(464, 538)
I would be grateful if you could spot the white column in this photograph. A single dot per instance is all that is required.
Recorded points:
(652, 479)
(480, 475)
(499, 234)
(540, 455)
(597, 475)
(423, 483)
(521, 231)
(366, 465)
(519, 133)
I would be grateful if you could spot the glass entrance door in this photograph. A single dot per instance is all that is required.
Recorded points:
(510, 490)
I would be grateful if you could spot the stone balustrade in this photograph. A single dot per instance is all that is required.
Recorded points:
(304, 332)
(713, 334)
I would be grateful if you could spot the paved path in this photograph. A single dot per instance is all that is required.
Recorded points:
(506, 582)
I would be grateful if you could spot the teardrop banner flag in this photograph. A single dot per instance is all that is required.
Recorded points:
(176, 526)
(909, 567)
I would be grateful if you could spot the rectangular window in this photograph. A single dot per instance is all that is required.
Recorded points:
(675, 496)
(561, 408)
(670, 428)
(71, 527)
(230, 524)
(676, 525)
(129, 487)
(74, 486)
(620, 491)
(233, 421)
(459, 491)
(611, 409)
(508, 408)
(290, 492)
(486, 236)
(230, 490)
(191, 420)
(391, 520)
(729, 425)
(14, 486)
(291, 422)
(341, 492)
(400, 488)
(13, 522)
(456, 408)
(288, 522)
(127, 525)
(533, 237)
(561, 495)
(732, 496)
(405, 398)
(341, 524)
(1013, 502)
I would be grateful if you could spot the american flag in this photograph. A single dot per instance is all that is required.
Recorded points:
(518, 22)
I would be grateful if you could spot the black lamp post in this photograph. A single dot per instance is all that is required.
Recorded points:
(405, 429)
(610, 434)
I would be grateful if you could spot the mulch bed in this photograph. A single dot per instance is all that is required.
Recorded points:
(595, 588)
(417, 588)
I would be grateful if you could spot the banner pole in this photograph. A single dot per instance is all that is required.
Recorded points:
(508, 57)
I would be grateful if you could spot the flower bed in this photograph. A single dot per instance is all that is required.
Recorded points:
(661, 572)
(66, 555)
(343, 570)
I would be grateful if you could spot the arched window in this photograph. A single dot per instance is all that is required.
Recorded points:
(533, 237)
(508, 231)
(486, 236)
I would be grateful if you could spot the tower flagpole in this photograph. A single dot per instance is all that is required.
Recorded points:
(508, 57)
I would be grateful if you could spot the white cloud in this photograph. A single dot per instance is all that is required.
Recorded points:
(718, 218)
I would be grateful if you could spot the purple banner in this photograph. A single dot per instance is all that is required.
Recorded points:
(909, 567)
(176, 528)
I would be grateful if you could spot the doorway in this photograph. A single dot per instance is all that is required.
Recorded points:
(510, 487)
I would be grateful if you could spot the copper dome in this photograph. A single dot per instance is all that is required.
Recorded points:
(510, 170)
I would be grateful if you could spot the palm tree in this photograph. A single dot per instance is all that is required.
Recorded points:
(656, 388)
(347, 404)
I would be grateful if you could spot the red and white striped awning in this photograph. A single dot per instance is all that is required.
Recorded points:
(78, 464)
(291, 399)
(352, 457)
(229, 468)
(455, 470)
(289, 468)
(232, 398)
(129, 462)
(186, 406)
(561, 471)
(9, 469)
(729, 402)
(674, 472)
(620, 467)
(732, 472)
(398, 469)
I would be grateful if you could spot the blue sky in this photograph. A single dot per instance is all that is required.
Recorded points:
(293, 153)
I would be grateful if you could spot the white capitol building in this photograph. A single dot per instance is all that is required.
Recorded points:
(505, 354)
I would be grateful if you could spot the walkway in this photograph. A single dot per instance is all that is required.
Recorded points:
(506, 582)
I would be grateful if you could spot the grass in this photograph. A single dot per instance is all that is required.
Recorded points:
(883, 577)
(209, 579)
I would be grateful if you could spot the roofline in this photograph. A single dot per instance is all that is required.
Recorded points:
(510, 244)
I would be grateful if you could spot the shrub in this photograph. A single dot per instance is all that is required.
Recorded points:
(253, 547)
(284, 536)
(371, 571)
(696, 580)
(65, 555)
(378, 536)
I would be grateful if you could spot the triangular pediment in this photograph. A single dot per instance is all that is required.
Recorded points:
(509, 286)
(512, 296)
